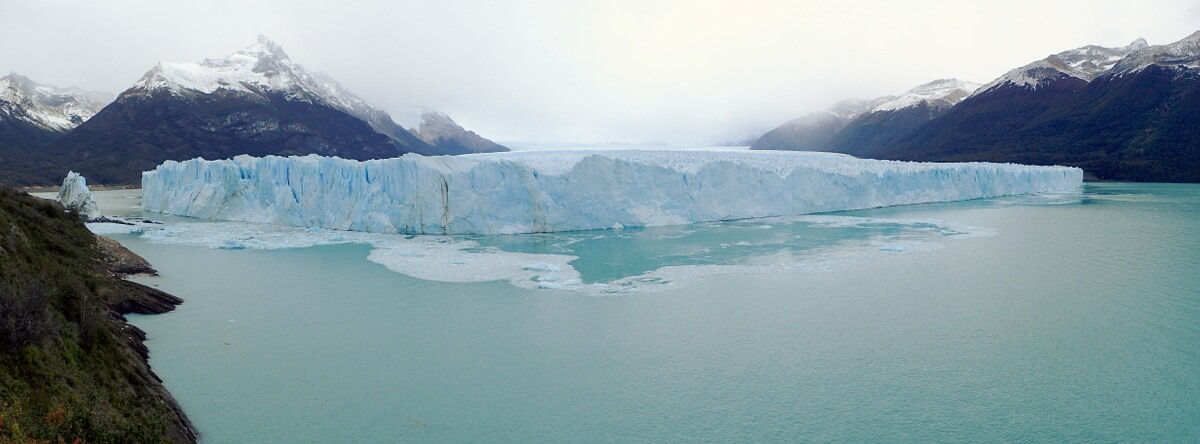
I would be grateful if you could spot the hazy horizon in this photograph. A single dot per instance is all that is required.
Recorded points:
(665, 72)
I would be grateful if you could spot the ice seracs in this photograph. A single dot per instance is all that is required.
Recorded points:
(75, 196)
(527, 192)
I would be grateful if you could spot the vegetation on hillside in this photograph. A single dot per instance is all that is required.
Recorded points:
(71, 369)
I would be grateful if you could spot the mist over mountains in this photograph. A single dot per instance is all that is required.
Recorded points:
(1120, 113)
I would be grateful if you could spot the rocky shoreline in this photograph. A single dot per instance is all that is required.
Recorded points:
(141, 299)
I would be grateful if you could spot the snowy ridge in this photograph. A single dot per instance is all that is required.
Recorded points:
(529, 192)
(1182, 54)
(841, 112)
(1085, 63)
(48, 107)
(851, 108)
(258, 66)
(942, 93)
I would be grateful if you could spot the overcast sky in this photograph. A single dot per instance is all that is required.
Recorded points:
(676, 71)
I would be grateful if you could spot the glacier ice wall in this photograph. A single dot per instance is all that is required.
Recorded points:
(75, 196)
(527, 192)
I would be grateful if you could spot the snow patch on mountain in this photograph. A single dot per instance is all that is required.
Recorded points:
(48, 107)
(838, 114)
(261, 65)
(942, 93)
(1085, 63)
(850, 108)
(1182, 54)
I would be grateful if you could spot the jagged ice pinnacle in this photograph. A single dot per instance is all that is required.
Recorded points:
(75, 196)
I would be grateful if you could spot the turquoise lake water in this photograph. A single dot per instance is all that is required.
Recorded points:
(1045, 318)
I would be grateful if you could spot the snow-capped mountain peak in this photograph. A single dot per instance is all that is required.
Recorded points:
(1084, 63)
(261, 65)
(45, 106)
(265, 45)
(1182, 54)
(942, 93)
(260, 69)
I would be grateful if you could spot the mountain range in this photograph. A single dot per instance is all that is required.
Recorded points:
(255, 101)
(33, 115)
(1125, 113)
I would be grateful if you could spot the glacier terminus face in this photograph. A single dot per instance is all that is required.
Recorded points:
(547, 191)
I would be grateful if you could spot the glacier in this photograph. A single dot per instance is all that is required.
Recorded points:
(548, 191)
(75, 196)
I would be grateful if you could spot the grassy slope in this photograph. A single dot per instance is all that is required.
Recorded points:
(70, 367)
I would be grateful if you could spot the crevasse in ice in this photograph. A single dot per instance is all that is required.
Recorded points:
(528, 192)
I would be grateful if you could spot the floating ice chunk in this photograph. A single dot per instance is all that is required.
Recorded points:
(541, 266)
(528, 192)
(113, 228)
(75, 196)
(232, 244)
(559, 285)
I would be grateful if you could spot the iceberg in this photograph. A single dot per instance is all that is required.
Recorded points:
(75, 196)
(548, 191)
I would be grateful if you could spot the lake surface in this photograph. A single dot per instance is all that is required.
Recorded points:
(1045, 318)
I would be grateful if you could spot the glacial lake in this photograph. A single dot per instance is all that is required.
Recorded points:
(1044, 318)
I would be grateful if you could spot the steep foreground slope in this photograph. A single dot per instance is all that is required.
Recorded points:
(71, 368)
